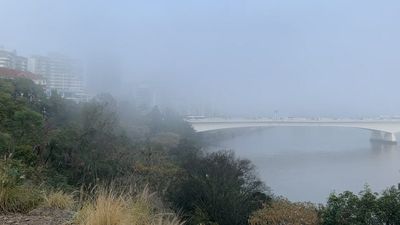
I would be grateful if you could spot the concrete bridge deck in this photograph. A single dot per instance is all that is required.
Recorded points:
(381, 130)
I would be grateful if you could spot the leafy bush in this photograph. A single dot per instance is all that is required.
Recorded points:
(365, 208)
(218, 189)
(12, 172)
(5, 143)
(389, 206)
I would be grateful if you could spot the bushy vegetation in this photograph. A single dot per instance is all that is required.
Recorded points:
(365, 208)
(56, 144)
(16, 195)
(218, 189)
(282, 211)
(49, 143)
(71, 144)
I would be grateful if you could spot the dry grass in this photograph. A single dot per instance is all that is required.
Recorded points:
(109, 208)
(140, 208)
(18, 199)
(167, 219)
(282, 211)
(106, 209)
(59, 200)
(15, 197)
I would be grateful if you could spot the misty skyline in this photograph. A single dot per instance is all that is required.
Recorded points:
(303, 58)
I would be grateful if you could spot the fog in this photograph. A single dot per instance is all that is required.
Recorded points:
(242, 58)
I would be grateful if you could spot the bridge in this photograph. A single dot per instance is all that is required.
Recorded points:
(381, 130)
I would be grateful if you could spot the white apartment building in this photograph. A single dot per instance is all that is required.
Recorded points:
(10, 59)
(62, 74)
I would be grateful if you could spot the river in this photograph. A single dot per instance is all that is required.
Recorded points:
(308, 163)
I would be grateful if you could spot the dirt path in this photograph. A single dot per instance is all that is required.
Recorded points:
(38, 217)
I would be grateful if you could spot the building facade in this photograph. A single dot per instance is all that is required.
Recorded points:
(10, 59)
(63, 75)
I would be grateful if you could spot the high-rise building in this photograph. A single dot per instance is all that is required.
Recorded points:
(10, 59)
(145, 97)
(62, 74)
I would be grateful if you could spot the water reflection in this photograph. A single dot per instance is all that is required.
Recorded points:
(378, 147)
(306, 164)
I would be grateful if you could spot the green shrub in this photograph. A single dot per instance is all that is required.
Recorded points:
(5, 142)
(14, 195)
(12, 172)
(218, 189)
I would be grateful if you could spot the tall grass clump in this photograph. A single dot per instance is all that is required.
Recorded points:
(19, 199)
(15, 195)
(107, 208)
(140, 208)
(114, 207)
(58, 200)
(168, 219)
(145, 209)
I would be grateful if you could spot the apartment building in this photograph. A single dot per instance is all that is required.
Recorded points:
(63, 75)
(10, 59)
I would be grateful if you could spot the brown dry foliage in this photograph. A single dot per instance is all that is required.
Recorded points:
(111, 208)
(284, 212)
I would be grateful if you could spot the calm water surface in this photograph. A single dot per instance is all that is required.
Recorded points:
(306, 164)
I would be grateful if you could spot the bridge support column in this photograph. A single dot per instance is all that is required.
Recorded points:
(383, 137)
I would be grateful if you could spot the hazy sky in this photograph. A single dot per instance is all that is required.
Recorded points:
(302, 57)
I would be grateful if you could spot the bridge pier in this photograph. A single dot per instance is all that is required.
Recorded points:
(383, 137)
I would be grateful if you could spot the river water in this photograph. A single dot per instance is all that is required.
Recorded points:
(308, 163)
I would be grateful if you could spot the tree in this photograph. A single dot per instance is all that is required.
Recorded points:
(341, 209)
(94, 147)
(218, 189)
(367, 207)
(389, 206)
(348, 208)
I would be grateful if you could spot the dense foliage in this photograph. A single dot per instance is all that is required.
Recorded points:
(87, 142)
(62, 144)
(367, 208)
(53, 143)
(219, 189)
